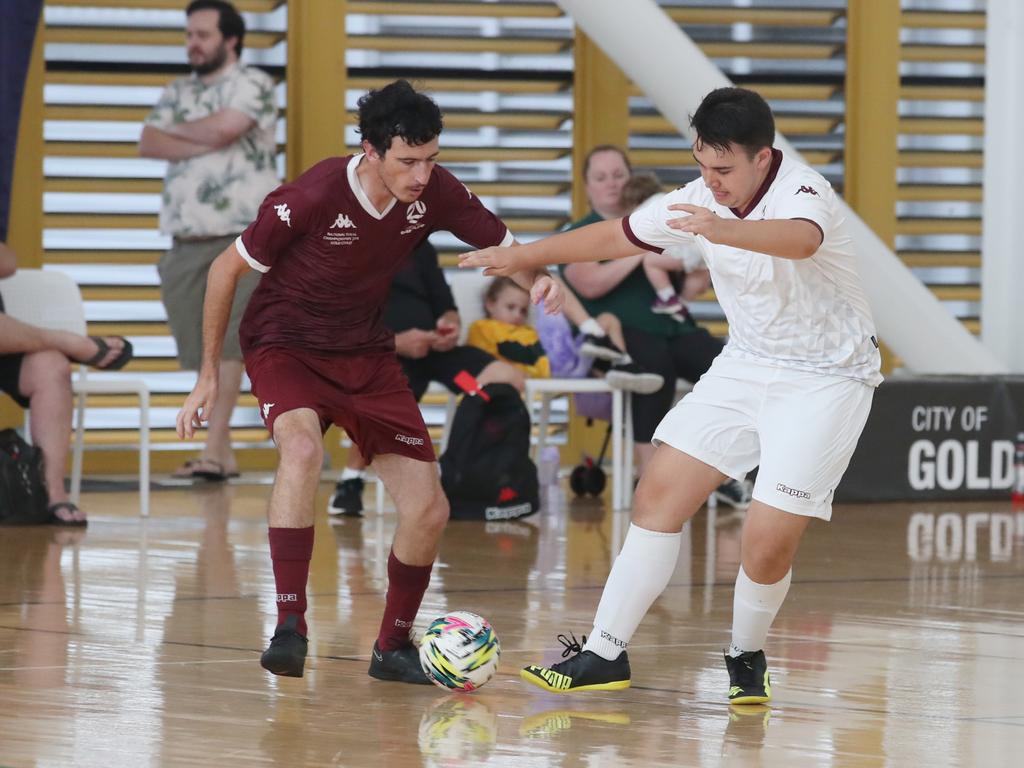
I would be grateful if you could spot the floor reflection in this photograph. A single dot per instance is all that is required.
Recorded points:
(136, 643)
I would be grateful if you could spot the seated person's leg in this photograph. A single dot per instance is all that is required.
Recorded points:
(658, 268)
(45, 382)
(692, 355)
(500, 372)
(101, 352)
(652, 352)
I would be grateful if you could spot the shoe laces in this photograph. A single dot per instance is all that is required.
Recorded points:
(571, 644)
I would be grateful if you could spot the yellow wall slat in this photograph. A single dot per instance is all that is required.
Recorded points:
(138, 36)
(495, 10)
(971, 53)
(943, 20)
(970, 259)
(913, 159)
(958, 192)
(915, 226)
(947, 126)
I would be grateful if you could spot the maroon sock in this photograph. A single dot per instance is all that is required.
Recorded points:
(406, 585)
(290, 551)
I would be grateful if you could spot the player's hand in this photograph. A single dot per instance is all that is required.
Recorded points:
(447, 335)
(545, 288)
(700, 221)
(495, 261)
(198, 406)
(414, 343)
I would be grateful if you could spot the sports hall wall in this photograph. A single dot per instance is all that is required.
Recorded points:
(884, 98)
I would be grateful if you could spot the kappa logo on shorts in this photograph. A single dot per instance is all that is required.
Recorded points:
(792, 492)
(284, 213)
(409, 440)
(343, 222)
(266, 409)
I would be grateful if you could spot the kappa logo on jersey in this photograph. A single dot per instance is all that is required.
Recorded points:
(416, 211)
(343, 222)
(807, 191)
(266, 409)
(284, 213)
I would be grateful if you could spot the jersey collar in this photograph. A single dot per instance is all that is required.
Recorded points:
(361, 196)
(773, 171)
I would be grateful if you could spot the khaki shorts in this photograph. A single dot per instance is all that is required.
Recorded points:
(183, 271)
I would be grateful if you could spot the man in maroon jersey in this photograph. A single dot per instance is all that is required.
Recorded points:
(317, 351)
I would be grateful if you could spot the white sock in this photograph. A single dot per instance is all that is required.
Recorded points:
(753, 610)
(351, 474)
(591, 327)
(666, 293)
(640, 573)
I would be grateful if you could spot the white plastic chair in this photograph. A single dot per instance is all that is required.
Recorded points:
(52, 300)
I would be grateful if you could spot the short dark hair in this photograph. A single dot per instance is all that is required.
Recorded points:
(734, 116)
(398, 109)
(605, 148)
(229, 22)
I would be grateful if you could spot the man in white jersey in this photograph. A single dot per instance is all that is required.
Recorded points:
(790, 392)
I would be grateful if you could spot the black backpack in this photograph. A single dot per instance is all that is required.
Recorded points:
(486, 472)
(23, 497)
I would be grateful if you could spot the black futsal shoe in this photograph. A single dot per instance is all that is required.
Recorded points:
(401, 665)
(584, 671)
(286, 655)
(347, 500)
(601, 348)
(749, 682)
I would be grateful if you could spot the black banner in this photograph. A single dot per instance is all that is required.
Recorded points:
(942, 438)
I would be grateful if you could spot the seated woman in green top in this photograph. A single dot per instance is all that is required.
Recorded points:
(661, 343)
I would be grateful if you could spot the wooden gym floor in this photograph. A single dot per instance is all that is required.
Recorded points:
(135, 643)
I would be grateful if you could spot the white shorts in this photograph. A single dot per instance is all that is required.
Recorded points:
(800, 427)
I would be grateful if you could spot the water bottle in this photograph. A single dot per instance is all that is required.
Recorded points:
(547, 468)
(1018, 470)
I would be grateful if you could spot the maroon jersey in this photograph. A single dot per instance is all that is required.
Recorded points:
(328, 256)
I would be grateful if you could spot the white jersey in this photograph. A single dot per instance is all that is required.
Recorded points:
(807, 314)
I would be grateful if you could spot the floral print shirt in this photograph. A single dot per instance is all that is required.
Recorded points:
(219, 193)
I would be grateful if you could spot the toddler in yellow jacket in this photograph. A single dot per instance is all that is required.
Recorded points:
(505, 334)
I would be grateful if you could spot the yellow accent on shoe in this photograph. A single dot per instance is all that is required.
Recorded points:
(552, 681)
(752, 699)
(555, 721)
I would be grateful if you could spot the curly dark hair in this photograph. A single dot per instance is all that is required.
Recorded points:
(398, 109)
(734, 116)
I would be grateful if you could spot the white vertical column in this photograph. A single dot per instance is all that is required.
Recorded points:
(1002, 249)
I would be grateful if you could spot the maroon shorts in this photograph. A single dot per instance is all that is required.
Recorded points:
(366, 395)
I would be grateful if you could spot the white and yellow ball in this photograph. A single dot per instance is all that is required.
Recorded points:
(460, 651)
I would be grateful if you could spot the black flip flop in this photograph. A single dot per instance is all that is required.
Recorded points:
(118, 362)
(55, 519)
(214, 476)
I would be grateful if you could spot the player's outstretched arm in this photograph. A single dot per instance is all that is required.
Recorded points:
(596, 242)
(223, 278)
(786, 238)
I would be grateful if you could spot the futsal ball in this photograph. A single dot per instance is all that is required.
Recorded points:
(459, 651)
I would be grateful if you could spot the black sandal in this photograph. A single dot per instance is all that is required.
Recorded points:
(117, 363)
(56, 519)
